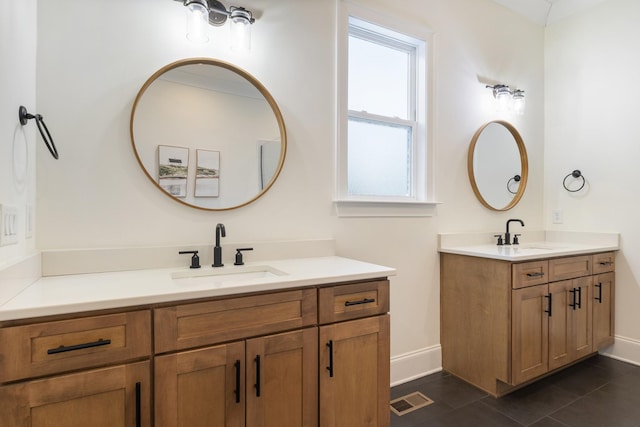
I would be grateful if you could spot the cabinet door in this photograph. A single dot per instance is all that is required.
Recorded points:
(354, 373)
(560, 321)
(570, 322)
(529, 333)
(118, 396)
(582, 321)
(282, 380)
(201, 387)
(603, 310)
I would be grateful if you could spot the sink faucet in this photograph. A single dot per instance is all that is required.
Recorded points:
(507, 236)
(217, 249)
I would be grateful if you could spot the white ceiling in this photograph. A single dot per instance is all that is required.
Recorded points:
(544, 12)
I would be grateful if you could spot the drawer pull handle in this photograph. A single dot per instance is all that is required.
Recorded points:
(257, 384)
(362, 301)
(536, 274)
(579, 296)
(550, 298)
(603, 263)
(237, 390)
(138, 405)
(63, 349)
(599, 297)
(330, 367)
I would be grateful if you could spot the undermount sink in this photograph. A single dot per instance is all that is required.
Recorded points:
(226, 275)
(541, 246)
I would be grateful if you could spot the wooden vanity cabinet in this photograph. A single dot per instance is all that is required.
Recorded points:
(77, 372)
(505, 324)
(254, 360)
(355, 355)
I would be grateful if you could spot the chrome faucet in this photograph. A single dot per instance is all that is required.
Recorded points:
(217, 249)
(507, 236)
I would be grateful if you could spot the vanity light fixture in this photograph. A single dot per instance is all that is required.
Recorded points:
(212, 12)
(508, 100)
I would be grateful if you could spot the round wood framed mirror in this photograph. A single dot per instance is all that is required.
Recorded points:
(208, 134)
(497, 165)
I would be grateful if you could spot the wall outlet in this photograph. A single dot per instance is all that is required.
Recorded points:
(556, 216)
(8, 225)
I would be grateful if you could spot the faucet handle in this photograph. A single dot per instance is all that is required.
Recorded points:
(239, 260)
(195, 259)
(499, 236)
(515, 239)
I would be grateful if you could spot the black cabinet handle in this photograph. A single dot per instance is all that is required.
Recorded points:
(237, 390)
(537, 274)
(330, 367)
(573, 293)
(138, 405)
(606, 263)
(362, 301)
(63, 349)
(550, 298)
(599, 297)
(257, 384)
(579, 296)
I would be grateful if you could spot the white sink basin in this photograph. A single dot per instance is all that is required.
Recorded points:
(222, 276)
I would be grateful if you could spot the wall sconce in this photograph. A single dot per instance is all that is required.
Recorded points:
(212, 12)
(508, 100)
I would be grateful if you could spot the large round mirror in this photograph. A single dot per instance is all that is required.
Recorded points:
(208, 134)
(497, 165)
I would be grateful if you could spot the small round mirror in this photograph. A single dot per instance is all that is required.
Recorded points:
(208, 134)
(497, 165)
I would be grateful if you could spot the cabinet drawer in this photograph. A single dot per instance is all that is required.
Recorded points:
(198, 324)
(569, 268)
(529, 274)
(59, 346)
(345, 302)
(604, 262)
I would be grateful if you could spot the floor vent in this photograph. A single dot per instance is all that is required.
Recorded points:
(409, 403)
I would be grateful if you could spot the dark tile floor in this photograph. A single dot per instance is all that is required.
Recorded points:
(598, 392)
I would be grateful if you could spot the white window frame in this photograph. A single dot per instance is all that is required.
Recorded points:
(421, 201)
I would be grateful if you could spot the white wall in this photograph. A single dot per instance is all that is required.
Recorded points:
(93, 57)
(18, 29)
(592, 105)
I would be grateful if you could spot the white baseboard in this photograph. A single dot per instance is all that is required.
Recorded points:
(410, 366)
(624, 349)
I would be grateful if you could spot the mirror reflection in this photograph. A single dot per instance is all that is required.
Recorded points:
(498, 165)
(208, 134)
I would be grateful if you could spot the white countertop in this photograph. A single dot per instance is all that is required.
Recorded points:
(85, 292)
(552, 244)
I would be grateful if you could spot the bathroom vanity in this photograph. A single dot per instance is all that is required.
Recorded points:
(296, 343)
(512, 315)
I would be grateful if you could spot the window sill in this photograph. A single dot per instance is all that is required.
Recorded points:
(371, 208)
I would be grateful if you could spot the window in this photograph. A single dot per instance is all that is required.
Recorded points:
(383, 149)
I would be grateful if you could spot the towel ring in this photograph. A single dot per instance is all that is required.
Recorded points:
(575, 174)
(42, 127)
(514, 179)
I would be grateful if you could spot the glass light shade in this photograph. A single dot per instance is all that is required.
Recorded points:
(197, 22)
(503, 98)
(240, 28)
(518, 102)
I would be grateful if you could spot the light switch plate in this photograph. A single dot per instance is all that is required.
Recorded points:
(556, 216)
(8, 225)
